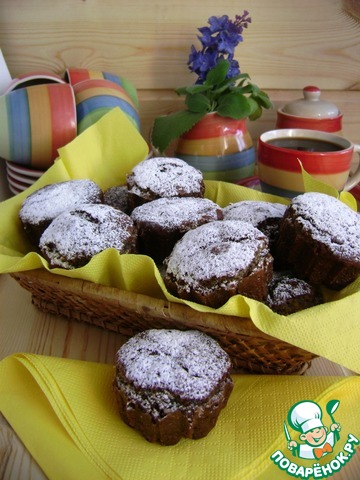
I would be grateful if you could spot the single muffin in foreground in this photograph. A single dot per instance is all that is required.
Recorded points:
(319, 239)
(171, 384)
(162, 222)
(288, 294)
(163, 177)
(215, 261)
(75, 236)
(41, 207)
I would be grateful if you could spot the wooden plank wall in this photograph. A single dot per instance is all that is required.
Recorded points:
(289, 44)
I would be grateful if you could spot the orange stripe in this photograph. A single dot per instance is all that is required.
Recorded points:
(96, 91)
(40, 126)
(103, 84)
(63, 116)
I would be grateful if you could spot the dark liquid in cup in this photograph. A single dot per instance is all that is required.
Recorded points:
(306, 144)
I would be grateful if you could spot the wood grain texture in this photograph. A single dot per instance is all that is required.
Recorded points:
(288, 45)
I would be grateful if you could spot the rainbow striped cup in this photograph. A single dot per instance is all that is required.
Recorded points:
(325, 156)
(36, 77)
(35, 122)
(96, 97)
(77, 75)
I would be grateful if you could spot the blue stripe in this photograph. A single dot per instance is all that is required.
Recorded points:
(233, 176)
(101, 101)
(280, 192)
(218, 163)
(19, 126)
(112, 78)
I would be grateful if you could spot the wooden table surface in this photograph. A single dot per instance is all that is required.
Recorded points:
(23, 328)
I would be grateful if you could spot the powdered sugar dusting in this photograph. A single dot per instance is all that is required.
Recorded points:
(83, 232)
(254, 212)
(177, 213)
(285, 287)
(188, 364)
(165, 177)
(330, 221)
(48, 202)
(215, 250)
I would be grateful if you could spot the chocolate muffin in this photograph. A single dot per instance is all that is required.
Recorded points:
(41, 207)
(319, 239)
(163, 177)
(288, 294)
(265, 216)
(75, 236)
(117, 197)
(172, 384)
(215, 261)
(162, 222)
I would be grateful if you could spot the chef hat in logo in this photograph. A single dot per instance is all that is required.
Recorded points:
(304, 416)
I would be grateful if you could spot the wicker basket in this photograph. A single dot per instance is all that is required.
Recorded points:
(128, 313)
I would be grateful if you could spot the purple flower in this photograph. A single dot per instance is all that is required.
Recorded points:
(218, 41)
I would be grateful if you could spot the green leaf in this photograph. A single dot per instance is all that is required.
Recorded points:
(230, 83)
(198, 103)
(234, 106)
(242, 90)
(254, 106)
(168, 128)
(256, 113)
(263, 99)
(192, 89)
(217, 74)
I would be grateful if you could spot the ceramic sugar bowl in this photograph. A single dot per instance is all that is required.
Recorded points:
(310, 112)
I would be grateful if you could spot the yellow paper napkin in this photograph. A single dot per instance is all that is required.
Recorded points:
(65, 413)
(108, 150)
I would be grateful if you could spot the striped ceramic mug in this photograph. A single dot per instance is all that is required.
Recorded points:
(325, 156)
(95, 97)
(36, 121)
(75, 75)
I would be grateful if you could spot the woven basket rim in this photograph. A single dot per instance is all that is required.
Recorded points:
(140, 302)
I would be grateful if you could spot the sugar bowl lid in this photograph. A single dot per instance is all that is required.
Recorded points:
(311, 106)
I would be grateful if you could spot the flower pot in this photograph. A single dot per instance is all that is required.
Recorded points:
(220, 147)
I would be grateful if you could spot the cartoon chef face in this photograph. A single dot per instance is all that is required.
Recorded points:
(314, 437)
(305, 417)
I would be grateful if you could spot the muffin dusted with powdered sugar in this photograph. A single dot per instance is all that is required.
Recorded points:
(319, 238)
(263, 215)
(162, 222)
(217, 260)
(288, 294)
(171, 384)
(41, 207)
(75, 236)
(163, 177)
